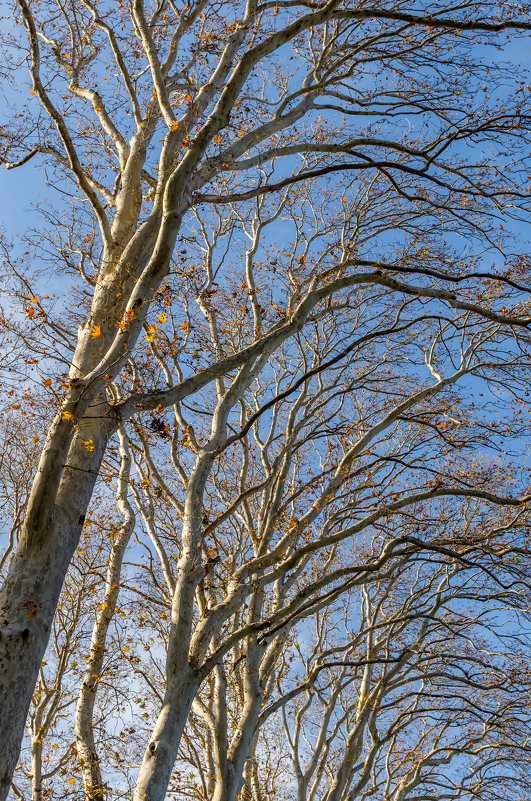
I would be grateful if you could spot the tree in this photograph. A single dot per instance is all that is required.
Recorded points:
(405, 675)
(227, 118)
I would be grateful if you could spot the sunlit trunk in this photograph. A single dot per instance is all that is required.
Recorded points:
(30, 594)
(161, 753)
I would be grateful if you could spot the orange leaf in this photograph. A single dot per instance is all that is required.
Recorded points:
(96, 332)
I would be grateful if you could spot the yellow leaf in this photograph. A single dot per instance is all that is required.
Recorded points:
(150, 337)
(68, 416)
(96, 332)
(35, 439)
(33, 299)
(126, 649)
(71, 780)
(162, 318)
(48, 382)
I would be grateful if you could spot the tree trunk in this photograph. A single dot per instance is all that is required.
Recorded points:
(86, 747)
(36, 573)
(36, 771)
(161, 753)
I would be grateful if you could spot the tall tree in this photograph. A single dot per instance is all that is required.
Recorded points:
(154, 115)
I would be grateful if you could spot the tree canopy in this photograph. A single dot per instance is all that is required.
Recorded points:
(266, 402)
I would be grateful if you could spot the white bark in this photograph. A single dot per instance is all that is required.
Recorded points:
(35, 577)
(138, 241)
(84, 723)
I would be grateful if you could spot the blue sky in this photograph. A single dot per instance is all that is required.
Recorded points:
(19, 188)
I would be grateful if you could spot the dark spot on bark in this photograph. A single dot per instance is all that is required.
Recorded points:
(81, 519)
(25, 634)
(152, 747)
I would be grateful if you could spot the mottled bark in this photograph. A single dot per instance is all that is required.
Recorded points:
(160, 755)
(35, 577)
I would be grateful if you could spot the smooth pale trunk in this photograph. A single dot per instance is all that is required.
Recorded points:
(354, 742)
(229, 789)
(30, 593)
(36, 770)
(84, 724)
(161, 753)
(243, 742)
(28, 602)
